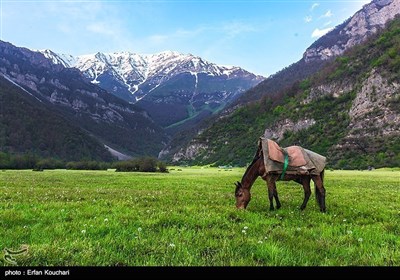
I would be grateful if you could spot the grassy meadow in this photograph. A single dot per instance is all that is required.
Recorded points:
(187, 217)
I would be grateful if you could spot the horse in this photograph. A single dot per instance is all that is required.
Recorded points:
(257, 169)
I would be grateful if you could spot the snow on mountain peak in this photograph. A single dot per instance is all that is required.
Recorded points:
(65, 60)
(133, 69)
(145, 65)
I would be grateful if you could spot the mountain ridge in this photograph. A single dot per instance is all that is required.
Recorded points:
(134, 69)
(372, 17)
(355, 30)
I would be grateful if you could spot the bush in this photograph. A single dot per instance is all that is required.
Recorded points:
(126, 166)
(87, 165)
(162, 166)
(49, 163)
(143, 164)
(148, 164)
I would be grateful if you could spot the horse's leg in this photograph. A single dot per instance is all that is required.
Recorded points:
(271, 187)
(307, 191)
(319, 192)
(278, 203)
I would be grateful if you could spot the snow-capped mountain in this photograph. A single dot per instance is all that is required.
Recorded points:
(186, 86)
(133, 70)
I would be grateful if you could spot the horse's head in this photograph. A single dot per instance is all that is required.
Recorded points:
(242, 196)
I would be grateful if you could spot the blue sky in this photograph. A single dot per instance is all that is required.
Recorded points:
(262, 36)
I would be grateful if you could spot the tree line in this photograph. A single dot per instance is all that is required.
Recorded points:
(32, 161)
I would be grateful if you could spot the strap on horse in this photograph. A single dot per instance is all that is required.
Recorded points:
(285, 164)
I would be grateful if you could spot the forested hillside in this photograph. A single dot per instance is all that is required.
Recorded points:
(348, 111)
(29, 128)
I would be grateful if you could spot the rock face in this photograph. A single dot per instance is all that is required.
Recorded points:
(190, 152)
(111, 120)
(352, 32)
(277, 131)
(371, 112)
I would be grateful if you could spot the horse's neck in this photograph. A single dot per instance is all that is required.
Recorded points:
(251, 174)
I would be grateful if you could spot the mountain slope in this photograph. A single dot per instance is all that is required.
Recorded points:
(116, 123)
(28, 126)
(366, 22)
(349, 111)
(355, 30)
(186, 85)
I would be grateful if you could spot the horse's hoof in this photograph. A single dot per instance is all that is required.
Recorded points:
(302, 208)
(271, 209)
(278, 206)
(323, 210)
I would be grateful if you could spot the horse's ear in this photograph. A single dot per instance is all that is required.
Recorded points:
(238, 188)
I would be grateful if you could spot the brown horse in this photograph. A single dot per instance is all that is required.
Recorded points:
(257, 168)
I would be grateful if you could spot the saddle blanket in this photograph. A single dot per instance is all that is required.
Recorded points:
(301, 161)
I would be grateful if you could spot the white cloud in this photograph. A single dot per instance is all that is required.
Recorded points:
(102, 28)
(228, 30)
(64, 28)
(158, 38)
(308, 19)
(179, 34)
(235, 28)
(314, 6)
(327, 23)
(327, 14)
(320, 32)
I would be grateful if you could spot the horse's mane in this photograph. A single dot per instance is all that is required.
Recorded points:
(256, 157)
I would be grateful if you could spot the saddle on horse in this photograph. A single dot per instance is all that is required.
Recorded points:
(290, 160)
(295, 154)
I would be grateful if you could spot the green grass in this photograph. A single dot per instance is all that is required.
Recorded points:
(188, 218)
